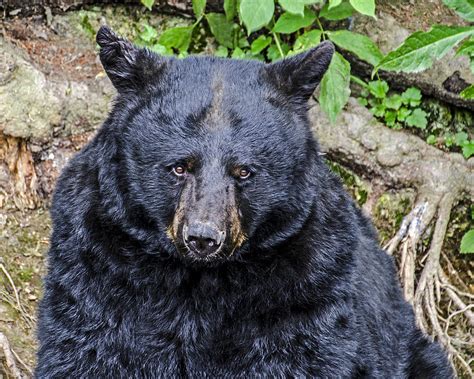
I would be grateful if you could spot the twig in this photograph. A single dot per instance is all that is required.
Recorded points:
(456, 299)
(28, 319)
(9, 358)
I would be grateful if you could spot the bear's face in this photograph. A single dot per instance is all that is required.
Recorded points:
(214, 150)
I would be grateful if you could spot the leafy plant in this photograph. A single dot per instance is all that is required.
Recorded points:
(420, 49)
(397, 110)
(261, 32)
(272, 29)
(467, 242)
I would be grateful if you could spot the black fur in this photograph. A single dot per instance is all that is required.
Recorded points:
(307, 293)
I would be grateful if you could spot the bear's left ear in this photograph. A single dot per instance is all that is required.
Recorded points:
(130, 68)
(300, 74)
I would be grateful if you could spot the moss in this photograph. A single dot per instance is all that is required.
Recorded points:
(26, 274)
(390, 210)
(358, 189)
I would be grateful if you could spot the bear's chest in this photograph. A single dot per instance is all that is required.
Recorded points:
(180, 334)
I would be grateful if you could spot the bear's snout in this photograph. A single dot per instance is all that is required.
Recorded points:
(203, 239)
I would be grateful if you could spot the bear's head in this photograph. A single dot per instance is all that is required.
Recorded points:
(216, 153)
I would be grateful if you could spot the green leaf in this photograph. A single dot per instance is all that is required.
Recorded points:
(87, 26)
(162, 50)
(390, 118)
(411, 96)
(464, 8)
(403, 113)
(221, 51)
(148, 34)
(273, 54)
(366, 7)
(419, 49)
(307, 40)
(148, 3)
(340, 12)
(296, 6)
(378, 88)
(221, 28)
(378, 110)
(178, 38)
(468, 149)
(431, 140)
(243, 43)
(460, 138)
(260, 43)
(198, 7)
(334, 3)
(334, 90)
(230, 9)
(417, 119)
(362, 101)
(448, 140)
(256, 14)
(362, 46)
(466, 48)
(289, 23)
(468, 93)
(467, 242)
(238, 53)
(393, 102)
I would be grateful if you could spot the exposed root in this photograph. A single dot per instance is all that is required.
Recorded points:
(452, 292)
(10, 358)
(433, 285)
(429, 273)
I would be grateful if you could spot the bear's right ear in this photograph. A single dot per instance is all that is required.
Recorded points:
(129, 68)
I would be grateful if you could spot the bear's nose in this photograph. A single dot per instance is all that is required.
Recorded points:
(203, 238)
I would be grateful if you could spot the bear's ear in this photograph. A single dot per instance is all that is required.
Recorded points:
(300, 74)
(129, 68)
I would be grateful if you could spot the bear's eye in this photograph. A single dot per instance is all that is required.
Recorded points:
(179, 170)
(244, 173)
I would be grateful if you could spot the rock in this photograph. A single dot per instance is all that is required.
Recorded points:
(33, 105)
(387, 41)
(442, 81)
(28, 105)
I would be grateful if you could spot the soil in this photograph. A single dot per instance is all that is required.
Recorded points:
(420, 15)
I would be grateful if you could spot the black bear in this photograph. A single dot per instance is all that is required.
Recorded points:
(200, 234)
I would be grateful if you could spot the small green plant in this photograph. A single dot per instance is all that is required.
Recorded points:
(467, 241)
(420, 49)
(460, 139)
(397, 110)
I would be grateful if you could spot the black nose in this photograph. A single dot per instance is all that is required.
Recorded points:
(203, 238)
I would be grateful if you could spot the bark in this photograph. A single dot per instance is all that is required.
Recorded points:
(400, 159)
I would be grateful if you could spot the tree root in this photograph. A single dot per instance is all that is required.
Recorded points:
(401, 160)
(10, 358)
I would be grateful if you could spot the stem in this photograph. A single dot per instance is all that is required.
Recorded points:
(321, 28)
(277, 41)
(359, 81)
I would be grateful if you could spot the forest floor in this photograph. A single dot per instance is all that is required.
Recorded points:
(24, 233)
